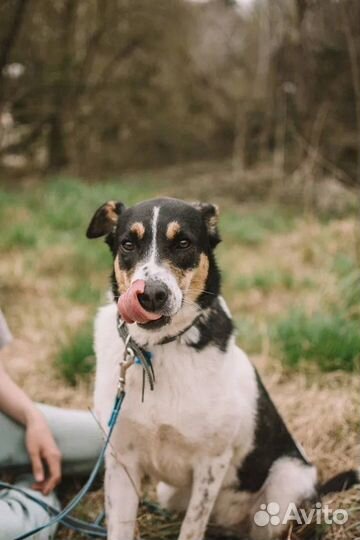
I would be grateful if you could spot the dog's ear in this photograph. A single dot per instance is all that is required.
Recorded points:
(210, 215)
(105, 219)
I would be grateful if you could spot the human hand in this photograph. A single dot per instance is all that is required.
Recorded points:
(42, 450)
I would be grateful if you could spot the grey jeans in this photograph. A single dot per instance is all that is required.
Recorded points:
(79, 439)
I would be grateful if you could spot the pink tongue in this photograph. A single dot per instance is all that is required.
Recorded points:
(130, 308)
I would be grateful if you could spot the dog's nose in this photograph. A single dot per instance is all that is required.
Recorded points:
(154, 296)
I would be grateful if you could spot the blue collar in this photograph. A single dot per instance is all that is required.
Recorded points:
(148, 355)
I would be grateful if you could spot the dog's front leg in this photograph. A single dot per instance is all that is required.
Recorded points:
(122, 488)
(207, 479)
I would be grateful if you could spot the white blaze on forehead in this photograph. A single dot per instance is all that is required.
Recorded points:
(154, 226)
(151, 268)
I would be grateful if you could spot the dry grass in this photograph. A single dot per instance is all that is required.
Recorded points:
(321, 410)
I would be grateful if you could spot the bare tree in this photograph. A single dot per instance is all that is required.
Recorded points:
(353, 49)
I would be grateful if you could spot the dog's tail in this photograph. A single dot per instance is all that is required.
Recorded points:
(340, 482)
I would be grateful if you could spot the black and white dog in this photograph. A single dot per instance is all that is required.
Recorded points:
(209, 432)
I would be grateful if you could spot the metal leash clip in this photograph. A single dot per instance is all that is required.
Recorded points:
(127, 361)
(132, 348)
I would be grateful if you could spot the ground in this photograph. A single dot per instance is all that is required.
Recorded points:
(288, 278)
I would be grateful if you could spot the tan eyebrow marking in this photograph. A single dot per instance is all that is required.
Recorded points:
(122, 277)
(138, 228)
(111, 211)
(199, 277)
(172, 229)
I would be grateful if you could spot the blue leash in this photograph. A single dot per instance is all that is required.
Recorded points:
(62, 517)
(132, 354)
(78, 525)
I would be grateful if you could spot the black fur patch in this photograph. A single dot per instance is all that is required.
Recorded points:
(216, 329)
(212, 285)
(341, 482)
(114, 286)
(272, 441)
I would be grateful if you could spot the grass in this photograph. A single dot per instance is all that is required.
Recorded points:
(61, 208)
(249, 334)
(75, 360)
(343, 264)
(329, 342)
(269, 280)
(19, 236)
(290, 283)
(328, 339)
(252, 228)
(83, 293)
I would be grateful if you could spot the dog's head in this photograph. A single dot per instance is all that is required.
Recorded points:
(164, 267)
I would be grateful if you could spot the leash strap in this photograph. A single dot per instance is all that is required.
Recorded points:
(60, 516)
(75, 524)
(132, 353)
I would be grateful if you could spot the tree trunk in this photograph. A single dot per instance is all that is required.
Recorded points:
(57, 157)
(8, 42)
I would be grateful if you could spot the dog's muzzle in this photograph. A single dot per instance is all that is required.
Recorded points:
(144, 302)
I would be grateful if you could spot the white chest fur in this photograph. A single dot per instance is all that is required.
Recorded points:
(203, 402)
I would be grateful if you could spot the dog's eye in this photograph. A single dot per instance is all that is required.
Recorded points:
(183, 244)
(127, 245)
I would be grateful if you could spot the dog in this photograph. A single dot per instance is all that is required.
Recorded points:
(209, 433)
